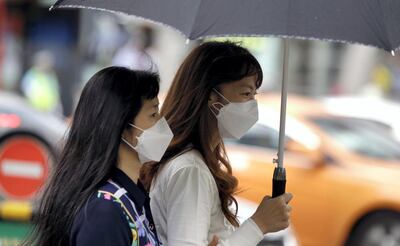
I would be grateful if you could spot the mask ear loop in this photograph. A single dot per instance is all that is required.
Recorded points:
(218, 103)
(137, 138)
(130, 145)
(221, 95)
(132, 125)
(214, 105)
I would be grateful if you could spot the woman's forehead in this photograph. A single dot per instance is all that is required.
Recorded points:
(246, 82)
(150, 103)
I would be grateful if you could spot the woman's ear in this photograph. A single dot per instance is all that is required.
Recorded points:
(129, 135)
(125, 134)
(213, 98)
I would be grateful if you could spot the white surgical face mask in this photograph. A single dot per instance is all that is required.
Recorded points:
(235, 119)
(153, 142)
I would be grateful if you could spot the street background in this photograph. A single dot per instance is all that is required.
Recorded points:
(46, 58)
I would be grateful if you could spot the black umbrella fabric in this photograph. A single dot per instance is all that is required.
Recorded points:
(368, 22)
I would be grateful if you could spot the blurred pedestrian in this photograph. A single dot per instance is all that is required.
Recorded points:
(40, 84)
(135, 53)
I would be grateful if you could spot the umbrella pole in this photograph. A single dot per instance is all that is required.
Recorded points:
(279, 179)
(282, 125)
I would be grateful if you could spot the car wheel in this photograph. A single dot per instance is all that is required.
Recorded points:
(377, 229)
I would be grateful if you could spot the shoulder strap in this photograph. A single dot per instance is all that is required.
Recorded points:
(113, 190)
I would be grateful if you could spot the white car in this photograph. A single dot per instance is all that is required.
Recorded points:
(381, 112)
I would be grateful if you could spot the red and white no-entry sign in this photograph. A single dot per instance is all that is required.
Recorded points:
(24, 166)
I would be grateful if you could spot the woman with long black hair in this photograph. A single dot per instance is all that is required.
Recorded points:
(192, 188)
(93, 196)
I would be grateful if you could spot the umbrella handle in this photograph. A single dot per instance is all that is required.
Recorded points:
(279, 182)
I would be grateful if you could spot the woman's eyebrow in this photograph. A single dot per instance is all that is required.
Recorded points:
(249, 87)
(151, 106)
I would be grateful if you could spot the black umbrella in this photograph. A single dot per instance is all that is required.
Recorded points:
(368, 22)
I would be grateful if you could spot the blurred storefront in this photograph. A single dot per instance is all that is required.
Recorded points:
(82, 41)
(30, 29)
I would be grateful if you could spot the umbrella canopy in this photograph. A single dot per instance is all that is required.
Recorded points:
(368, 22)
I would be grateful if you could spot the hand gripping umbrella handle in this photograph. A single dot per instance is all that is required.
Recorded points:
(279, 182)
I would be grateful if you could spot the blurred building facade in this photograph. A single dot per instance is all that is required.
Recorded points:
(29, 29)
(83, 41)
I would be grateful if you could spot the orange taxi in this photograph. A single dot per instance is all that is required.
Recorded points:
(344, 173)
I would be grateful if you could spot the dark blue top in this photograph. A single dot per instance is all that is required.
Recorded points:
(103, 221)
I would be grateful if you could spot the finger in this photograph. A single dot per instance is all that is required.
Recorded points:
(287, 224)
(267, 197)
(283, 225)
(285, 216)
(287, 197)
(285, 219)
(285, 212)
(214, 241)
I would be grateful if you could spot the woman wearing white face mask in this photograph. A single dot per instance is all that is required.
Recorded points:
(94, 196)
(212, 97)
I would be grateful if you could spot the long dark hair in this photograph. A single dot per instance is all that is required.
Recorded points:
(111, 99)
(186, 110)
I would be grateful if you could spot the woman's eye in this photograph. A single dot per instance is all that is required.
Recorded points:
(154, 115)
(247, 94)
